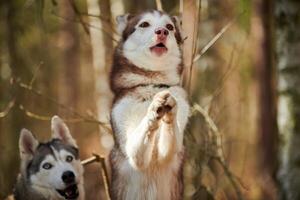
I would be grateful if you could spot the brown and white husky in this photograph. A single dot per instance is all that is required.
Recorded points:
(150, 109)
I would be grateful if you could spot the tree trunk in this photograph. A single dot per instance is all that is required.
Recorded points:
(70, 69)
(102, 49)
(15, 119)
(190, 19)
(287, 14)
(267, 111)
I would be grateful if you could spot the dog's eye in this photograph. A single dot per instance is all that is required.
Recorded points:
(170, 27)
(144, 24)
(47, 166)
(69, 158)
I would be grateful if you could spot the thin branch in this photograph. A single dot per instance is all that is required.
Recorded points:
(76, 11)
(94, 158)
(33, 115)
(80, 117)
(97, 16)
(8, 108)
(213, 41)
(104, 172)
(180, 7)
(35, 74)
(89, 25)
(217, 139)
(159, 5)
(231, 177)
(229, 71)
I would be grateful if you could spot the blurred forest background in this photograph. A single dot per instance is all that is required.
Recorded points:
(242, 61)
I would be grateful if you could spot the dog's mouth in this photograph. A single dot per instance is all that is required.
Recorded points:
(70, 192)
(159, 49)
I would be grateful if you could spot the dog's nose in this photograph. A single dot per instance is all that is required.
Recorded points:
(161, 31)
(68, 177)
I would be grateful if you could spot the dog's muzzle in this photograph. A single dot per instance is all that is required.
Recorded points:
(70, 192)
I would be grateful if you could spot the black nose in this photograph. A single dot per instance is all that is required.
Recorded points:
(161, 31)
(68, 177)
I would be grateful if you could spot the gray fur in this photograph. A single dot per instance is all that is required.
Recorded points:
(23, 190)
(45, 149)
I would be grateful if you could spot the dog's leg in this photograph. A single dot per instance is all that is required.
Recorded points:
(140, 142)
(168, 141)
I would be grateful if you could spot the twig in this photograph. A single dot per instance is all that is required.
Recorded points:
(217, 139)
(80, 118)
(213, 41)
(159, 5)
(97, 16)
(76, 11)
(35, 74)
(99, 159)
(231, 177)
(228, 72)
(104, 174)
(8, 108)
(89, 25)
(94, 158)
(180, 7)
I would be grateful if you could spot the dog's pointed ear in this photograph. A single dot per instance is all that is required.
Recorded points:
(27, 144)
(61, 131)
(122, 21)
(178, 34)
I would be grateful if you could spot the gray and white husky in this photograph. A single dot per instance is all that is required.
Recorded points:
(150, 109)
(51, 170)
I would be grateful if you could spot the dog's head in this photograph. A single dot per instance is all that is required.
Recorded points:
(151, 40)
(52, 168)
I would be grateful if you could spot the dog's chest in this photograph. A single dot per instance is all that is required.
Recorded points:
(154, 184)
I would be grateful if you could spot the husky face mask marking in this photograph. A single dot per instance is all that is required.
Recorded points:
(53, 169)
(151, 40)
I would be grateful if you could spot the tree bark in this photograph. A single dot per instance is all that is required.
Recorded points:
(287, 15)
(70, 69)
(190, 19)
(15, 119)
(267, 100)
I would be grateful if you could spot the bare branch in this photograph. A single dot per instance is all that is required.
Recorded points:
(80, 117)
(217, 136)
(231, 177)
(35, 74)
(76, 11)
(89, 25)
(213, 41)
(104, 174)
(8, 108)
(94, 158)
(159, 5)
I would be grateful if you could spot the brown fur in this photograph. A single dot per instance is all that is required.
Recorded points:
(121, 68)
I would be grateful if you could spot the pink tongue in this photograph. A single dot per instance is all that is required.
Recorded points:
(159, 50)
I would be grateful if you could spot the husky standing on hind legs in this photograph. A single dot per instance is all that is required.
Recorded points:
(51, 170)
(150, 109)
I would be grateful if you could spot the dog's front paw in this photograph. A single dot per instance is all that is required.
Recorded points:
(163, 105)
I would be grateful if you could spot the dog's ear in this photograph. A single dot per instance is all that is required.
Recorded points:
(61, 131)
(122, 21)
(178, 34)
(27, 144)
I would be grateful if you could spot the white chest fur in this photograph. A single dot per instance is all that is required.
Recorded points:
(144, 176)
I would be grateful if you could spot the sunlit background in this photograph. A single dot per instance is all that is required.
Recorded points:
(55, 58)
